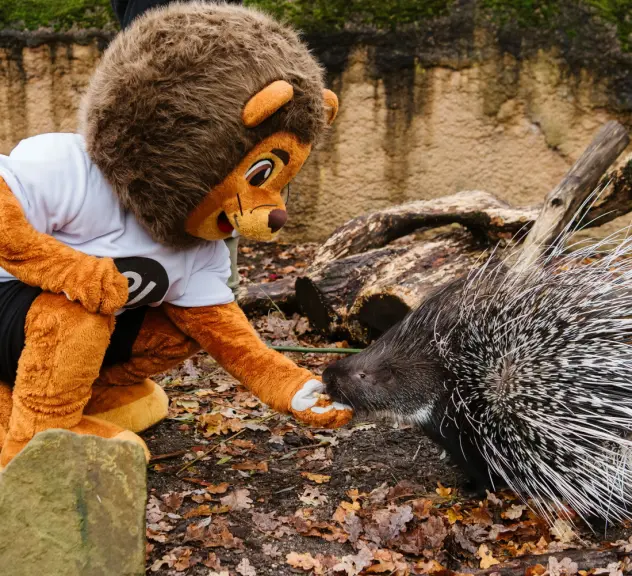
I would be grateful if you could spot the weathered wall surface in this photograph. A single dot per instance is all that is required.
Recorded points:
(509, 128)
(41, 87)
(478, 118)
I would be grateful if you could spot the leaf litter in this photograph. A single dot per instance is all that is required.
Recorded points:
(236, 489)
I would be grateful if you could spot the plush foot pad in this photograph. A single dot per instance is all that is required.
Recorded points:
(134, 408)
(87, 425)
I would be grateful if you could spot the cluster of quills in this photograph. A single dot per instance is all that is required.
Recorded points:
(541, 365)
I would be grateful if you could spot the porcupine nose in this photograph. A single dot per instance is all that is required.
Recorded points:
(331, 381)
(276, 219)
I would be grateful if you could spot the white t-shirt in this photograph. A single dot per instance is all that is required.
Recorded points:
(64, 194)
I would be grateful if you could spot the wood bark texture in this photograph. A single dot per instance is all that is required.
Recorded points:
(563, 202)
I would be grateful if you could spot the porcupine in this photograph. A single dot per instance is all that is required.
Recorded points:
(524, 378)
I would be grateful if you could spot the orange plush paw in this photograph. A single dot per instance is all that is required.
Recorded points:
(98, 285)
(87, 425)
(135, 407)
(312, 406)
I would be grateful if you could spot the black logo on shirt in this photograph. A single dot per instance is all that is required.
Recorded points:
(148, 280)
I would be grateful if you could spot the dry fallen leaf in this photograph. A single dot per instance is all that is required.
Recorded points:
(209, 486)
(265, 522)
(388, 561)
(563, 531)
(237, 500)
(429, 567)
(216, 424)
(190, 406)
(318, 478)
(206, 510)
(315, 455)
(154, 512)
(487, 560)
(217, 488)
(183, 557)
(564, 567)
(245, 444)
(353, 565)
(168, 559)
(313, 497)
(442, 491)
(156, 535)
(454, 515)
(421, 508)
(173, 500)
(212, 561)
(480, 515)
(491, 497)
(245, 568)
(513, 512)
(304, 562)
(389, 522)
(353, 526)
(249, 465)
(271, 550)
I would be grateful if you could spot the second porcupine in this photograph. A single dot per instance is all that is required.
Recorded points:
(525, 379)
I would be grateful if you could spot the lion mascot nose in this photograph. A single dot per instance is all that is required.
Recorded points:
(276, 219)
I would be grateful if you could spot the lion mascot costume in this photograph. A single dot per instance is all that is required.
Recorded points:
(113, 264)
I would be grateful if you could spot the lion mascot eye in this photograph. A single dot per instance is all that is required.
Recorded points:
(259, 172)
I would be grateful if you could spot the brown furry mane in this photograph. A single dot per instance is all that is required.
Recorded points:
(162, 114)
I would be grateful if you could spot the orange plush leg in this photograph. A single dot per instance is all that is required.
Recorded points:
(64, 348)
(6, 404)
(123, 393)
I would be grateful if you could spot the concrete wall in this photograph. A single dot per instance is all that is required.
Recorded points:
(497, 123)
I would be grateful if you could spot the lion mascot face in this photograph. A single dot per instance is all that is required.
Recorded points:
(199, 115)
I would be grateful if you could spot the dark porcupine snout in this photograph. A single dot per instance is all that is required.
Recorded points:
(346, 383)
(349, 382)
(396, 376)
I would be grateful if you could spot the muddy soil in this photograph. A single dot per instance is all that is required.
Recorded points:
(235, 488)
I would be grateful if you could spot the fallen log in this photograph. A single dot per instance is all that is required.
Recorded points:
(325, 295)
(564, 201)
(616, 200)
(264, 296)
(353, 259)
(361, 282)
(399, 285)
(485, 215)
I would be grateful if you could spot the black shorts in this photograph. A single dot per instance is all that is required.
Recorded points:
(15, 301)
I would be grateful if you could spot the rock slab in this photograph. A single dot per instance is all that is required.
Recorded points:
(73, 505)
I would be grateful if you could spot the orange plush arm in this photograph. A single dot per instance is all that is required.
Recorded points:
(40, 260)
(225, 333)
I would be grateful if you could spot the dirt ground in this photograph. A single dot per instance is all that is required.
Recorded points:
(236, 489)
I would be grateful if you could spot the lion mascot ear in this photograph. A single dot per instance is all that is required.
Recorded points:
(331, 105)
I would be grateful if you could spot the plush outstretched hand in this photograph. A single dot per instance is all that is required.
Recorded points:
(312, 406)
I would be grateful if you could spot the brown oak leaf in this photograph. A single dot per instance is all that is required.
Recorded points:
(304, 562)
(265, 522)
(245, 568)
(237, 500)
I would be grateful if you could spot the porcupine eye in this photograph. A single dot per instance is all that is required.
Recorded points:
(259, 172)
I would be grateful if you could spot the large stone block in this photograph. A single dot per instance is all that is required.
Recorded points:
(73, 505)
